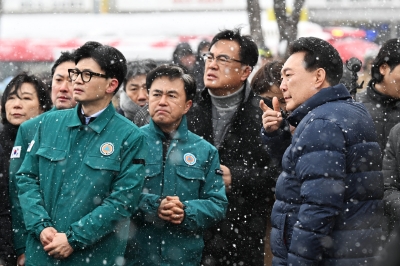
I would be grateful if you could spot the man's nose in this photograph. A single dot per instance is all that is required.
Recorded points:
(143, 95)
(163, 99)
(66, 86)
(213, 63)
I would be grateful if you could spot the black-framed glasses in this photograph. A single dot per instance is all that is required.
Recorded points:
(221, 59)
(86, 75)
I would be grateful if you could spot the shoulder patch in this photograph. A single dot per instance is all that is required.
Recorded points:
(30, 146)
(219, 172)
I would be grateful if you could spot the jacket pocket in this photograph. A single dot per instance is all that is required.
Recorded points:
(153, 179)
(278, 235)
(100, 171)
(190, 180)
(102, 163)
(52, 154)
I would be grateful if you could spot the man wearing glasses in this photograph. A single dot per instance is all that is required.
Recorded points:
(83, 172)
(228, 104)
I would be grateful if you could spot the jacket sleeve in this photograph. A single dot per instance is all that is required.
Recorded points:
(390, 169)
(277, 142)
(123, 199)
(321, 167)
(28, 186)
(210, 208)
(18, 224)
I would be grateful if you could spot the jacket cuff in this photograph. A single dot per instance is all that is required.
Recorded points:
(73, 241)
(20, 251)
(38, 230)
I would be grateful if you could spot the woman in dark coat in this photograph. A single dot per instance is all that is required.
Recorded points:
(24, 97)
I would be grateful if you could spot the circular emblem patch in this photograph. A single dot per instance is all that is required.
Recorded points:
(107, 148)
(189, 159)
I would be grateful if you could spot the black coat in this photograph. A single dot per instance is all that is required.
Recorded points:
(7, 138)
(384, 110)
(240, 237)
(391, 174)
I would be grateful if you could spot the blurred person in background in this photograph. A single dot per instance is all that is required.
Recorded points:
(226, 114)
(198, 71)
(183, 56)
(62, 98)
(25, 97)
(183, 192)
(265, 56)
(391, 174)
(134, 99)
(266, 83)
(382, 95)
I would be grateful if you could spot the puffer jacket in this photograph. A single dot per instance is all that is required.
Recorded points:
(384, 110)
(329, 208)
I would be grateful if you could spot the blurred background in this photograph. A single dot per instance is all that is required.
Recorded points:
(33, 32)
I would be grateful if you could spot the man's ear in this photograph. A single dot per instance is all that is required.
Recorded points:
(188, 104)
(112, 86)
(383, 69)
(320, 78)
(246, 73)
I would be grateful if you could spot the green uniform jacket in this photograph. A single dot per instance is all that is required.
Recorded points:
(83, 180)
(26, 132)
(191, 172)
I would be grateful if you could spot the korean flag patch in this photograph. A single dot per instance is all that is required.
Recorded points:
(16, 152)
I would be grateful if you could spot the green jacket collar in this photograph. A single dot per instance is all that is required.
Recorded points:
(99, 123)
(180, 134)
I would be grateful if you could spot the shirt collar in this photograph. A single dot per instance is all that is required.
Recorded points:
(104, 116)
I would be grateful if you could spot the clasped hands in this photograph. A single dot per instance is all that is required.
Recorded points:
(55, 244)
(171, 209)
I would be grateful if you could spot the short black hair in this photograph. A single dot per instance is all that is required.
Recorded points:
(248, 48)
(173, 72)
(110, 59)
(15, 85)
(267, 76)
(389, 54)
(139, 67)
(65, 56)
(319, 54)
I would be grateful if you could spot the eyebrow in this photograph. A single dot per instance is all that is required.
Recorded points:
(285, 69)
(168, 91)
(136, 84)
(87, 69)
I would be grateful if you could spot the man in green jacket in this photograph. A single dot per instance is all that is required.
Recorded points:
(83, 172)
(183, 192)
(62, 98)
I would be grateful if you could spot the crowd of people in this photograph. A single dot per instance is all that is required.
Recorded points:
(227, 156)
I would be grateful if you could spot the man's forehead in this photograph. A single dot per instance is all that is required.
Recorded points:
(88, 63)
(294, 61)
(225, 47)
(165, 84)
